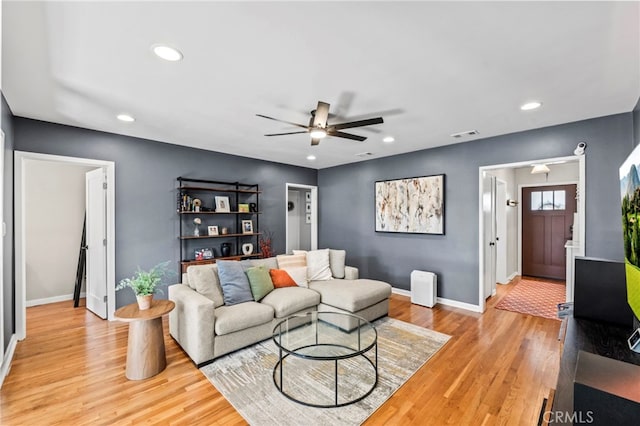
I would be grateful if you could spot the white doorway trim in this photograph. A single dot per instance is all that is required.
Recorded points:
(20, 161)
(581, 212)
(314, 213)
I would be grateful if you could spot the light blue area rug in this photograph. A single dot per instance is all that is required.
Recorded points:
(245, 378)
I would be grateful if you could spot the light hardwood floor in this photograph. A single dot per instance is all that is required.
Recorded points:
(497, 369)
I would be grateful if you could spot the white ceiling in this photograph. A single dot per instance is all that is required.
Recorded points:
(430, 68)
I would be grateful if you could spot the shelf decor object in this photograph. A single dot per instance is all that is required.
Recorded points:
(229, 211)
(410, 205)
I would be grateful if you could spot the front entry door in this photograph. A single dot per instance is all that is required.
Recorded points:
(547, 220)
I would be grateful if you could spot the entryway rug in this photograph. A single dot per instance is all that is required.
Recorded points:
(245, 378)
(537, 298)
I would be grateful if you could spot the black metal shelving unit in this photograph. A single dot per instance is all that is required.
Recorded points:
(188, 191)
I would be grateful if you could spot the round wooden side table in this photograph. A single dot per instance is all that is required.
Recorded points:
(145, 348)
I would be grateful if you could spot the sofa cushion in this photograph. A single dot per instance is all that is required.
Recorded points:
(351, 295)
(337, 260)
(289, 300)
(241, 316)
(298, 274)
(281, 278)
(234, 282)
(318, 265)
(268, 263)
(289, 260)
(259, 281)
(204, 280)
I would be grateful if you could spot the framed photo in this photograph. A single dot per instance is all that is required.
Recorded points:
(307, 196)
(411, 205)
(213, 230)
(243, 208)
(308, 208)
(307, 218)
(222, 204)
(247, 227)
(204, 253)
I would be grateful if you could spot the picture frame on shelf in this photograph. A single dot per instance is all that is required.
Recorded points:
(204, 254)
(213, 230)
(222, 204)
(247, 227)
(243, 208)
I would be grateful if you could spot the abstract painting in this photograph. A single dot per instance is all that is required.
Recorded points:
(410, 205)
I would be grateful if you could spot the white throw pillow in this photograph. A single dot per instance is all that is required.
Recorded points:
(337, 259)
(318, 268)
(299, 275)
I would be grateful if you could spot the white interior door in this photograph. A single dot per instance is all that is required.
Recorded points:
(4, 232)
(96, 201)
(489, 233)
(293, 225)
(501, 232)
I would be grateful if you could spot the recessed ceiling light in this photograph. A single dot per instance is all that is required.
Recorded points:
(126, 117)
(531, 105)
(388, 139)
(311, 157)
(167, 53)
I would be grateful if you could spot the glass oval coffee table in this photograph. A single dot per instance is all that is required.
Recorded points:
(326, 359)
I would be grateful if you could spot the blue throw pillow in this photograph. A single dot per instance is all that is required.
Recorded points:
(234, 282)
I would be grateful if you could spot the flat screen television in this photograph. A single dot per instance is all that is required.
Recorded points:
(630, 202)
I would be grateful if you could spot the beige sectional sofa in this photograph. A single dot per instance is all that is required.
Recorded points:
(206, 328)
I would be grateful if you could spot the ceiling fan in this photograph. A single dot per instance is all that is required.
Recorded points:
(319, 127)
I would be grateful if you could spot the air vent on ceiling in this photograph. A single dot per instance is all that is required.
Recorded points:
(364, 154)
(462, 134)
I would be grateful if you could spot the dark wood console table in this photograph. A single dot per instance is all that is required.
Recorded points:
(594, 337)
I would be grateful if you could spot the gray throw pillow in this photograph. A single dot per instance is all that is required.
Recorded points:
(234, 282)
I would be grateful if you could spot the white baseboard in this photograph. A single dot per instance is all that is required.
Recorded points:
(54, 299)
(442, 301)
(461, 305)
(8, 357)
(401, 291)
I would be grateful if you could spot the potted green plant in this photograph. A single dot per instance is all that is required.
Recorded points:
(144, 283)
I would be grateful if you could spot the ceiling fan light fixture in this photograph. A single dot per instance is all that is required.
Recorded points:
(167, 53)
(531, 106)
(318, 134)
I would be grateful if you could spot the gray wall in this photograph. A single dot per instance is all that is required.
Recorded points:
(146, 219)
(454, 256)
(7, 261)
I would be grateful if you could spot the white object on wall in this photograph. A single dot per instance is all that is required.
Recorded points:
(424, 289)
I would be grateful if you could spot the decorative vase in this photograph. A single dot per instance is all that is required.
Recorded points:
(144, 302)
(247, 248)
(196, 231)
(225, 249)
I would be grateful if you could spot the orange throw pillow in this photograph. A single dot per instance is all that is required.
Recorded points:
(281, 278)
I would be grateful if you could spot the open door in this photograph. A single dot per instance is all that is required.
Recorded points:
(489, 233)
(96, 201)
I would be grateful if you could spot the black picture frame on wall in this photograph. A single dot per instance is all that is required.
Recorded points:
(413, 205)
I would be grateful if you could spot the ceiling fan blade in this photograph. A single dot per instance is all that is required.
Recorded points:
(282, 121)
(315, 141)
(288, 133)
(359, 123)
(347, 136)
(321, 115)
